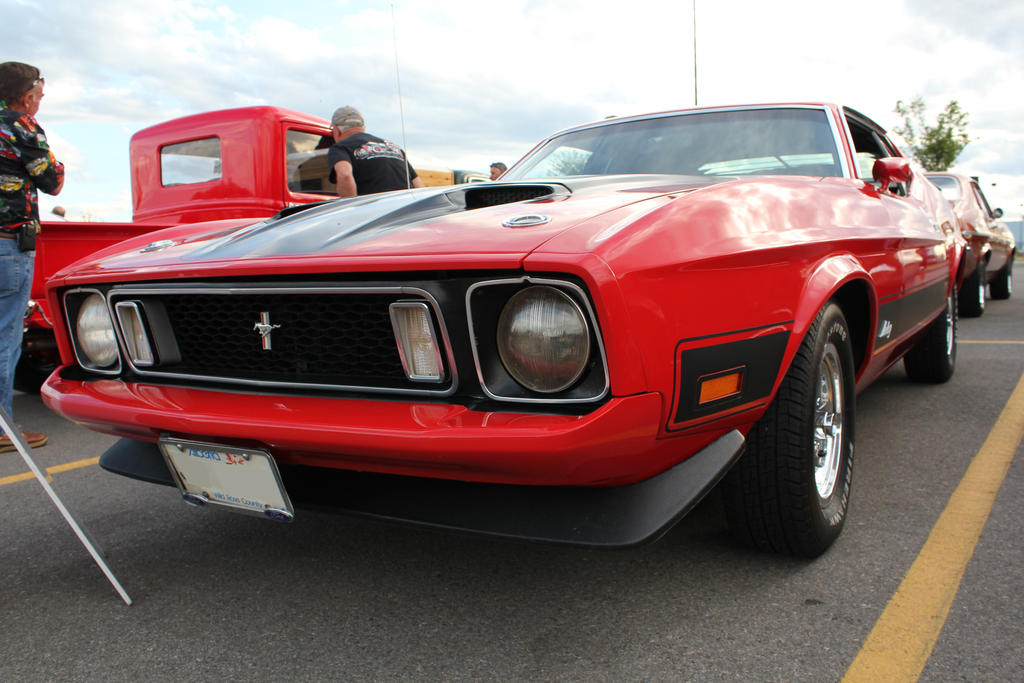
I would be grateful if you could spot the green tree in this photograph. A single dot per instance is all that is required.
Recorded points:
(935, 147)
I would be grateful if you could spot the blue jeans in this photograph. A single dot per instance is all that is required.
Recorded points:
(15, 288)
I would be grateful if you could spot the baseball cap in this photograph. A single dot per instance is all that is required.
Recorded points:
(347, 117)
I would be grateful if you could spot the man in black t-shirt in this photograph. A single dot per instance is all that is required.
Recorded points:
(361, 163)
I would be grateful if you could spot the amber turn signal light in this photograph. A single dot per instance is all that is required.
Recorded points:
(719, 386)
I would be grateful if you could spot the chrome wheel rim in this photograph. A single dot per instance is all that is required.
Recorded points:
(981, 296)
(950, 329)
(828, 422)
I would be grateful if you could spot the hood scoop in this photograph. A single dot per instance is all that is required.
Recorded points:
(337, 224)
(493, 195)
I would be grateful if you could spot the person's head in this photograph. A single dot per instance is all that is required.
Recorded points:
(345, 121)
(497, 168)
(21, 87)
(59, 211)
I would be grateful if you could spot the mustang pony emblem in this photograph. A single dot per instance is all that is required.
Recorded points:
(264, 328)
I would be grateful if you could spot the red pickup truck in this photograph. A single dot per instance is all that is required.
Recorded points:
(248, 162)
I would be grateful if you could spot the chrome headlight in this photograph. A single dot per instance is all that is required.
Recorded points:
(95, 333)
(543, 339)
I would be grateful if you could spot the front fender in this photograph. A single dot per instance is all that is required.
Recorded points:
(845, 280)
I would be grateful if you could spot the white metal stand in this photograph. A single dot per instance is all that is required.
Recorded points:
(14, 434)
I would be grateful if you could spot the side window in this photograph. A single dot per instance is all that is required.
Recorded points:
(195, 161)
(306, 162)
(867, 147)
(982, 201)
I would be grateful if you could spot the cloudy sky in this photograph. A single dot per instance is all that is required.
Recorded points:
(484, 81)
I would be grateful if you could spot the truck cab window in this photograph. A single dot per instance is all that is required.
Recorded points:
(306, 162)
(195, 161)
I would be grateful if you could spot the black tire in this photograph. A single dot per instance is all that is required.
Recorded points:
(971, 299)
(29, 377)
(39, 358)
(790, 490)
(933, 359)
(1002, 287)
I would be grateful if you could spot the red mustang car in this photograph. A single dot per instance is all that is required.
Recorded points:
(642, 307)
(988, 257)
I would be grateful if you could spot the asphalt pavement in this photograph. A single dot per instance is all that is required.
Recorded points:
(225, 596)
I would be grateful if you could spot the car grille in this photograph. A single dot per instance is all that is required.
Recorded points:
(327, 339)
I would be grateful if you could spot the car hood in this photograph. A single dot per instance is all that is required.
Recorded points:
(488, 224)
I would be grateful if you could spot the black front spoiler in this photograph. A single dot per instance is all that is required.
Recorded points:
(607, 517)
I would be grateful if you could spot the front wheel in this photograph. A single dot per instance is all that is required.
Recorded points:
(933, 359)
(972, 295)
(790, 491)
(1002, 286)
(39, 357)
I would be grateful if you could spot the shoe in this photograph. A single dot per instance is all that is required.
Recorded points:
(33, 441)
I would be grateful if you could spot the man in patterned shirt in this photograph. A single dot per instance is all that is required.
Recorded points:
(26, 164)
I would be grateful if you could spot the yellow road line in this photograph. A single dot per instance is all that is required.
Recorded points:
(55, 469)
(901, 642)
(68, 466)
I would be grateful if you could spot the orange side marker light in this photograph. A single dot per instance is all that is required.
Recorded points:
(720, 385)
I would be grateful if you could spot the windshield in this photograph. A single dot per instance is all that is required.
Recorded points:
(949, 186)
(758, 141)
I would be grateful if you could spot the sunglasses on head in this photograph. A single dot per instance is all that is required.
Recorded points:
(38, 81)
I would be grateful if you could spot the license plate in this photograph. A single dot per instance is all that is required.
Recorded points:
(240, 479)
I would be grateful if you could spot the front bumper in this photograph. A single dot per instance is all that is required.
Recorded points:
(607, 517)
(617, 443)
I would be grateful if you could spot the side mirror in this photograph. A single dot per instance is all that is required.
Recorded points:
(890, 170)
(998, 213)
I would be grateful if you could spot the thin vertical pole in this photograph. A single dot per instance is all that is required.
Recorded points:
(694, 5)
(401, 106)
